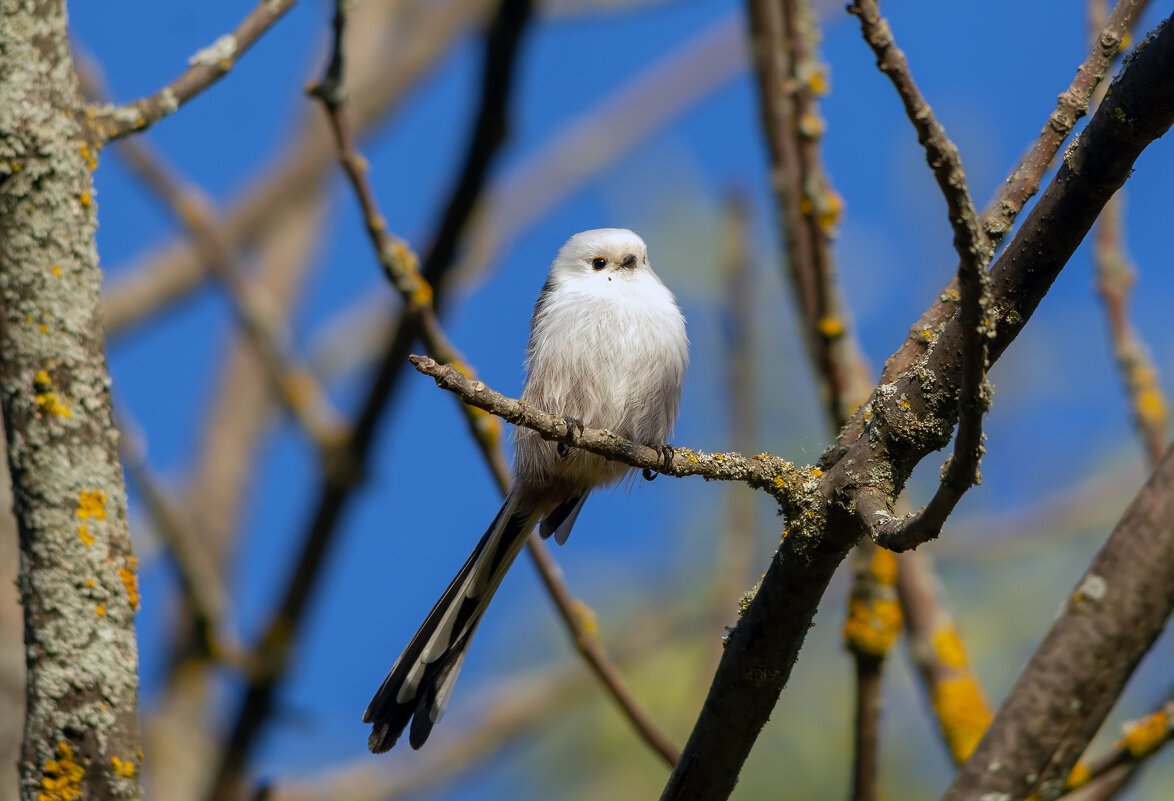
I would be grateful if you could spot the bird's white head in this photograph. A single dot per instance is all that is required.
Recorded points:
(611, 251)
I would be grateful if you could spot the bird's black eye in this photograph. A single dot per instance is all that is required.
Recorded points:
(599, 262)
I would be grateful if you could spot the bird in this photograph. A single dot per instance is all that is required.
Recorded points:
(608, 349)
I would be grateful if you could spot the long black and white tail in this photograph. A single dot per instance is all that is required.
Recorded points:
(421, 681)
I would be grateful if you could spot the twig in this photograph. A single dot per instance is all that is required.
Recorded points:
(407, 38)
(507, 713)
(204, 69)
(766, 472)
(1115, 276)
(873, 623)
(789, 80)
(735, 550)
(974, 251)
(293, 383)
(1071, 105)
(198, 575)
(1142, 738)
(1019, 187)
(939, 654)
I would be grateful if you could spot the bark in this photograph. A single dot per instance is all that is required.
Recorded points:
(77, 574)
(1072, 682)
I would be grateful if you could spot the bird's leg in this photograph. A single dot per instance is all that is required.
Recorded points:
(573, 424)
(666, 452)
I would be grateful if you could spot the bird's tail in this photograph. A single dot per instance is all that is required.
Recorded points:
(421, 681)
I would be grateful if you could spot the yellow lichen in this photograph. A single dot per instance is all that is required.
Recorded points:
(51, 403)
(100, 610)
(904, 404)
(816, 472)
(1079, 776)
(831, 211)
(57, 270)
(872, 626)
(92, 504)
(1144, 736)
(62, 779)
(819, 81)
(84, 533)
(963, 713)
(585, 615)
(123, 767)
(85, 199)
(830, 327)
(948, 647)
(131, 581)
(884, 567)
(811, 125)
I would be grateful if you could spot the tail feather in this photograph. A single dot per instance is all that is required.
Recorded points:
(420, 683)
(561, 519)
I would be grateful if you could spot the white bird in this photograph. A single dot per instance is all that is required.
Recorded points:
(608, 349)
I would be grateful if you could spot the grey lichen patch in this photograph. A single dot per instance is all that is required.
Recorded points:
(221, 52)
(1091, 591)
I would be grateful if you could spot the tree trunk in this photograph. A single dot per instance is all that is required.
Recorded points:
(77, 574)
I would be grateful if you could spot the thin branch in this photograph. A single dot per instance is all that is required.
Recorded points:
(734, 552)
(402, 41)
(1141, 739)
(293, 383)
(1115, 276)
(518, 707)
(198, 575)
(772, 474)
(935, 645)
(1071, 106)
(204, 69)
(873, 623)
(789, 81)
(974, 252)
(1019, 187)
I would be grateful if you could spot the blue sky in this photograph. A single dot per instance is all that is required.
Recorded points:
(990, 70)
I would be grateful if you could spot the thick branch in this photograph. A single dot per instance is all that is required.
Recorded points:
(204, 69)
(908, 419)
(1109, 622)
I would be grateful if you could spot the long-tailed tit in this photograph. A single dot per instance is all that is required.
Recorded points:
(608, 350)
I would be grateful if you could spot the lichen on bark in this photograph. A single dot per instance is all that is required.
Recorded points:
(77, 574)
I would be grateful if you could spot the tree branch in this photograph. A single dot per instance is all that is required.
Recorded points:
(974, 251)
(762, 648)
(1109, 622)
(1019, 187)
(766, 472)
(204, 69)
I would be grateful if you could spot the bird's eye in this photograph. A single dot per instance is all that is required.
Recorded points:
(599, 262)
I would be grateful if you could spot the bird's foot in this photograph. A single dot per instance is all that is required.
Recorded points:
(666, 452)
(573, 424)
